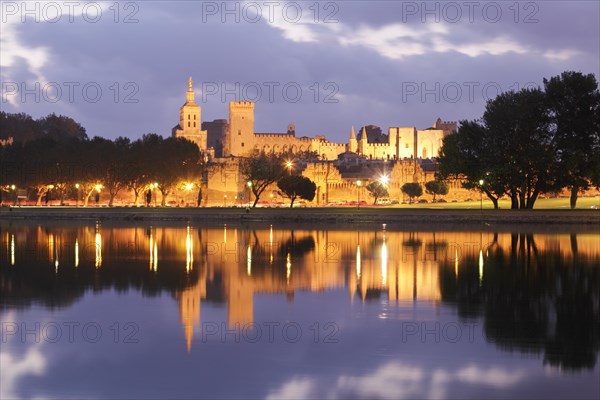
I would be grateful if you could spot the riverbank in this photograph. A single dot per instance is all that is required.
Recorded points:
(346, 215)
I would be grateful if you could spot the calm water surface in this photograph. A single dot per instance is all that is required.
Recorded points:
(137, 311)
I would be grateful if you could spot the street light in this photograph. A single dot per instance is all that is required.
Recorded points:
(249, 192)
(481, 182)
(289, 165)
(77, 199)
(384, 179)
(358, 184)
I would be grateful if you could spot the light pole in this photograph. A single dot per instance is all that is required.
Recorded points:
(224, 200)
(481, 182)
(289, 165)
(249, 192)
(358, 184)
(77, 199)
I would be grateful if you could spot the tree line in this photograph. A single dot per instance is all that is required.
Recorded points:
(530, 142)
(72, 166)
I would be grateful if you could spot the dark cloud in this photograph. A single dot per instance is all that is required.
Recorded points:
(362, 59)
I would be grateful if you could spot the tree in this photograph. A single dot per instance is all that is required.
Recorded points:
(61, 127)
(21, 127)
(574, 103)
(179, 159)
(518, 127)
(510, 150)
(261, 170)
(297, 186)
(466, 157)
(436, 187)
(377, 189)
(412, 190)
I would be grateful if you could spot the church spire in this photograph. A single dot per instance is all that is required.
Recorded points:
(189, 96)
(352, 135)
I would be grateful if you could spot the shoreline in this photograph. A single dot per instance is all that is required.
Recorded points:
(329, 216)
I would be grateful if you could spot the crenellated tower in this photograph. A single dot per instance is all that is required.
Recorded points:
(240, 137)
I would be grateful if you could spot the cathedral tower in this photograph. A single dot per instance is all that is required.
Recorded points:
(189, 120)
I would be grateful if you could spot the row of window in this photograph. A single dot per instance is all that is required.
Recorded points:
(190, 118)
(190, 126)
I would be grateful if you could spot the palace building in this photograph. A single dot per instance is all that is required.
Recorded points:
(237, 136)
(403, 153)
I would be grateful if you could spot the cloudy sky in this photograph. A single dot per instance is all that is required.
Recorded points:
(121, 68)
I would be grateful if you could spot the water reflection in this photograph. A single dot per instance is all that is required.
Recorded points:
(536, 293)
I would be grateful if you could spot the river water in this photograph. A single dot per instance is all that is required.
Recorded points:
(124, 310)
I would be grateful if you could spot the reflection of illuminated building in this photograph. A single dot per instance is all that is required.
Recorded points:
(397, 266)
(189, 309)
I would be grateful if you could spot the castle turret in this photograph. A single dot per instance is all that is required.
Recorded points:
(352, 144)
(362, 141)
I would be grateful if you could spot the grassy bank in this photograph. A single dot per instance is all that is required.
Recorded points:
(551, 211)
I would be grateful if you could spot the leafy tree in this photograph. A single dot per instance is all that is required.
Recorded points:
(21, 127)
(297, 186)
(436, 187)
(510, 150)
(115, 165)
(261, 170)
(61, 127)
(464, 156)
(412, 190)
(574, 102)
(172, 160)
(518, 126)
(377, 189)
(137, 171)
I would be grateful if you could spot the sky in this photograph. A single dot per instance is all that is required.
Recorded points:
(121, 68)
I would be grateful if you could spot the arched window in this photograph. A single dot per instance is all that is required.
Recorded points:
(194, 122)
(188, 124)
(188, 116)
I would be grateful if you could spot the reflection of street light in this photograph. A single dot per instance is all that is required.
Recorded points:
(358, 184)
(481, 182)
